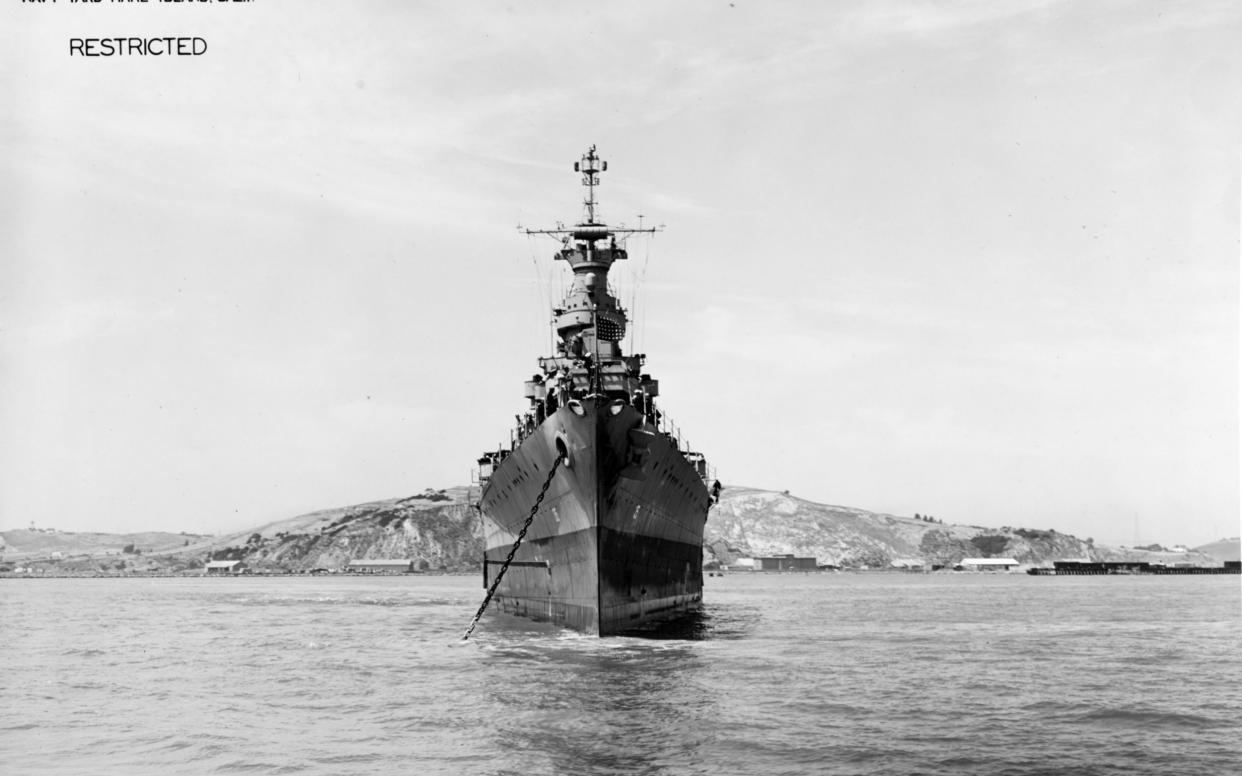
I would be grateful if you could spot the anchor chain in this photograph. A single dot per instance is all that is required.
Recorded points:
(521, 535)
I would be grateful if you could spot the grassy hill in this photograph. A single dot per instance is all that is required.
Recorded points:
(1223, 550)
(44, 543)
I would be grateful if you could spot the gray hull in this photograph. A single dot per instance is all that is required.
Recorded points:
(618, 539)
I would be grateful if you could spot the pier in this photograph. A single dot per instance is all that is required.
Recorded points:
(1063, 568)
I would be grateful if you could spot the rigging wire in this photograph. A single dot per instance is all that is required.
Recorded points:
(551, 322)
(641, 281)
(545, 288)
(633, 306)
(540, 290)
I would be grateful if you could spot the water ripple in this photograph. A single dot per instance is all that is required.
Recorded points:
(776, 674)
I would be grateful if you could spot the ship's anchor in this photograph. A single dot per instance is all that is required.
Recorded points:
(521, 535)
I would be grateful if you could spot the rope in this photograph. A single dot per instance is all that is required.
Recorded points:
(521, 535)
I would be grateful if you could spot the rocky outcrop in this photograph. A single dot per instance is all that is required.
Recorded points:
(755, 522)
(437, 530)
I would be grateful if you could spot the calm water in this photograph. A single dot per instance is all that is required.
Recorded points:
(785, 674)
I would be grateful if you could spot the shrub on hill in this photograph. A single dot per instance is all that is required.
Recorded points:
(1032, 534)
(990, 544)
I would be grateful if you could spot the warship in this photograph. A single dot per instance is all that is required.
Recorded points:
(593, 514)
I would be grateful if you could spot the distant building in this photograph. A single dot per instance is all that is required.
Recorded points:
(382, 566)
(224, 567)
(785, 563)
(988, 564)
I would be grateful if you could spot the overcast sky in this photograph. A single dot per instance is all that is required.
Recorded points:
(976, 260)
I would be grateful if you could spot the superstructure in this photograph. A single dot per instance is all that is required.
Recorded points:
(617, 538)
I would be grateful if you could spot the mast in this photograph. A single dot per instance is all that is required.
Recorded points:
(590, 166)
(590, 230)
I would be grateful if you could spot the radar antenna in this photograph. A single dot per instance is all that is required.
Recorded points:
(591, 230)
(590, 166)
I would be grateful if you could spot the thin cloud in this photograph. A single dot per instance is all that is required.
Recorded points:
(79, 322)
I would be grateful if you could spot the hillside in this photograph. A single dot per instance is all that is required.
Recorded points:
(750, 521)
(439, 531)
(46, 542)
(1223, 550)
